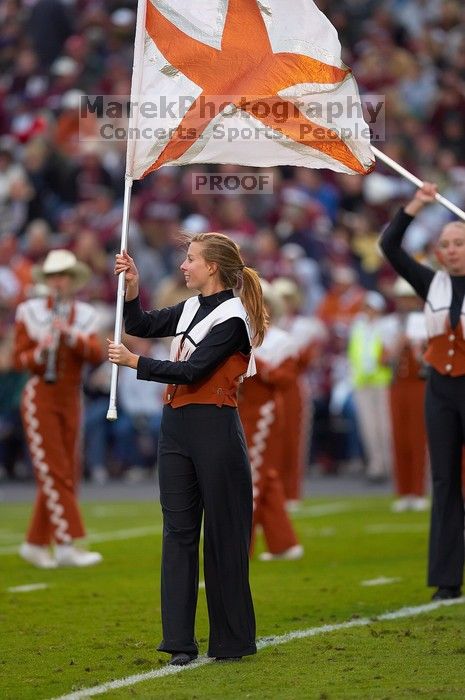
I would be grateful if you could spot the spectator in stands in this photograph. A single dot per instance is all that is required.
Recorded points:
(413, 53)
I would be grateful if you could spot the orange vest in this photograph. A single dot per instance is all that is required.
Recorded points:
(446, 345)
(446, 352)
(219, 388)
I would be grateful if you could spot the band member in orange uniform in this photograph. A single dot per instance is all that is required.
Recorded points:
(308, 335)
(407, 395)
(203, 466)
(262, 409)
(54, 337)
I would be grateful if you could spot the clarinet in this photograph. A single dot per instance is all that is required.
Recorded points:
(50, 374)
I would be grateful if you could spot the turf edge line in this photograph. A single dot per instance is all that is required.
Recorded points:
(261, 644)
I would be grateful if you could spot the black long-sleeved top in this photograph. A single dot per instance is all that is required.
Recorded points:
(418, 275)
(220, 343)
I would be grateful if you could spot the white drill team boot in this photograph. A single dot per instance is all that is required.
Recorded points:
(37, 555)
(291, 554)
(69, 555)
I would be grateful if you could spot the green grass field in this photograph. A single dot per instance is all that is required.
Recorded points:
(91, 626)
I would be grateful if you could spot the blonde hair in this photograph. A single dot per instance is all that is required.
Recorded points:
(454, 224)
(220, 249)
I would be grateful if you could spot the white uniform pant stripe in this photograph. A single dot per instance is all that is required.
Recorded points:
(259, 442)
(61, 525)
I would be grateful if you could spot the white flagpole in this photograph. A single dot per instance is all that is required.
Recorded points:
(416, 181)
(139, 40)
(112, 413)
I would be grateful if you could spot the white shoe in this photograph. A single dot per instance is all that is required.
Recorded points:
(401, 505)
(68, 555)
(419, 504)
(37, 556)
(291, 554)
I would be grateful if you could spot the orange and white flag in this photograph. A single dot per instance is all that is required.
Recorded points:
(250, 82)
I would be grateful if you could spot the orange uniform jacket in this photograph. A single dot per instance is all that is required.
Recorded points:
(262, 410)
(51, 414)
(408, 424)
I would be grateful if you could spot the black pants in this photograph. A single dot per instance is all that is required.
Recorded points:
(445, 423)
(204, 469)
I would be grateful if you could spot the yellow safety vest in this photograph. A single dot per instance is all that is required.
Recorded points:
(365, 346)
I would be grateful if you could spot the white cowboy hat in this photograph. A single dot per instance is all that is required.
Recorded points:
(272, 300)
(286, 288)
(61, 260)
(402, 288)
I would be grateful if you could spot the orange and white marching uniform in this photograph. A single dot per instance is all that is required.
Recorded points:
(262, 410)
(51, 413)
(407, 399)
(305, 334)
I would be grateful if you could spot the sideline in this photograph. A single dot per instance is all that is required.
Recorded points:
(261, 644)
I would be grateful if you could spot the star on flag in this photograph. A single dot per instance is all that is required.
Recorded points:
(248, 82)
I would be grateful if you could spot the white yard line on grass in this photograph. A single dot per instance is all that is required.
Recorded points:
(99, 510)
(317, 532)
(395, 528)
(318, 511)
(27, 588)
(315, 511)
(261, 644)
(10, 536)
(124, 534)
(112, 536)
(381, 581)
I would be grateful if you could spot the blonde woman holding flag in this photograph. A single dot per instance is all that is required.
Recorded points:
(204, 470)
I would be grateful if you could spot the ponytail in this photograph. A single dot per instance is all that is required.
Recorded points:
(244, 281)
(251, 295)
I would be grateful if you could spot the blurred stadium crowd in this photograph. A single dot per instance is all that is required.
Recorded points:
(318, 228)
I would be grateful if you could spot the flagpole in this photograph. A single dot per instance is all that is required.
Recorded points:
(112, 413)
(416, 181)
